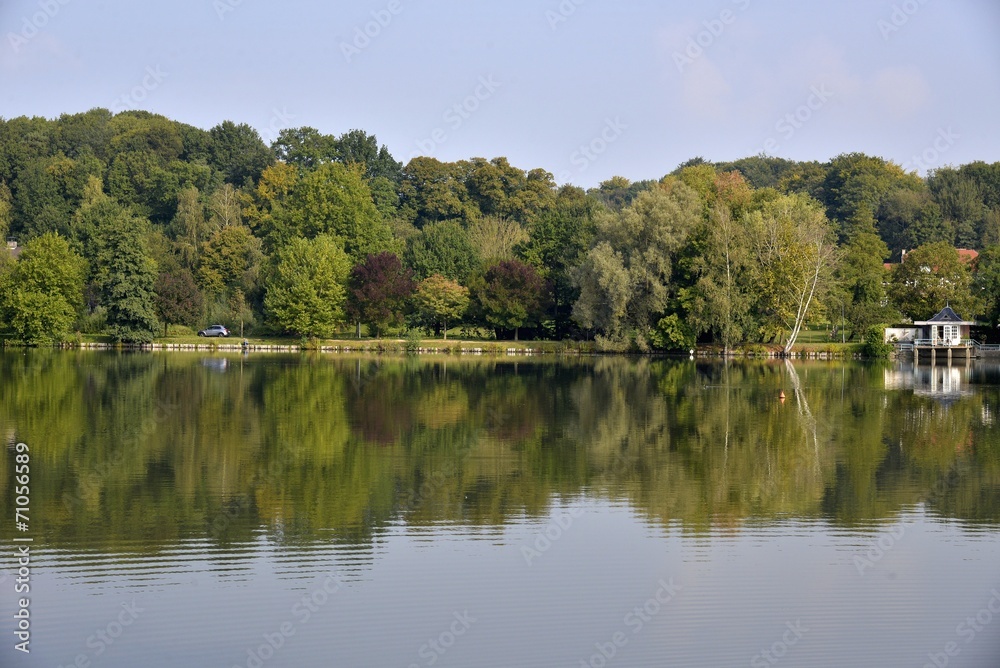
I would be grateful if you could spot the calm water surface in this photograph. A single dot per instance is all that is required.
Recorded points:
(330, 511)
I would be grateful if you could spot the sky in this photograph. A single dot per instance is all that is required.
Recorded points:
(585, 89)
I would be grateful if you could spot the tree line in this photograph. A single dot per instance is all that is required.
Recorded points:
(131, 222)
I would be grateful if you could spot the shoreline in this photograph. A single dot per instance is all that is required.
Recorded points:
(849, 352)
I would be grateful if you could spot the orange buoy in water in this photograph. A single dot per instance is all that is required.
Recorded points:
(781, 396)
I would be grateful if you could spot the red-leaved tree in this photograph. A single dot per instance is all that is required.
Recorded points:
(512, 295)
(378, 290)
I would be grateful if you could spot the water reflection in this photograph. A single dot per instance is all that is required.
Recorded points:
(213, 492)
(158, 448)
(945, 383)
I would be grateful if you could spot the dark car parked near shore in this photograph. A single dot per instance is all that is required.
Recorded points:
(214, 330)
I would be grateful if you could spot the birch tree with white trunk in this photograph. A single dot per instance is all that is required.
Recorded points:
(793, 250)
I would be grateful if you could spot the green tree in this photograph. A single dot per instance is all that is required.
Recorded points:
(909, 217)
(39, 201)
(306, 290)
(441, 300)
(558, 239)
(225, 207)
(304, 147)
(238, 152)
(231, 260)
(5, 211)
(720, 300)
(960, 200)
(792, 255)
(189, 227)
(618, 192)
(931, 277)
(987, 283)
(434, 191)
(43, 290)
(671, 333)
(625, 279)
(125, 275)
(359, 148)
(855, 186)
(442, 248)
(334, 199)
(860, 281)
(496, 238)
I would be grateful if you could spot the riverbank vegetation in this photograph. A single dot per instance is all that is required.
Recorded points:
(130, 223)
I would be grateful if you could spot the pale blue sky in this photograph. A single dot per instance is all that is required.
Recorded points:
(535, 80)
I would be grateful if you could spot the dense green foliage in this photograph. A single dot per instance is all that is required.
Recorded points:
(750, 251)
(41, 292)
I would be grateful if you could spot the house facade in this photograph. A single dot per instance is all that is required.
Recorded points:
(946, 329)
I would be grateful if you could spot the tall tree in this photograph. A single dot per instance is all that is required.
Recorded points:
(861, 279)
(304, 147)
(189, 227)
(511, 295)
(496, 238)
(434, 191)
(959, 198)
(334, 199)
(931, 277)
(306, 290)
(225, 207)
(720, 299)
(239, 152)
(231, 261)
(378, 290)
(178, 300)
(125, 276)
(5, 210)
(357, 147)
(558, 239)
(625, 279)
(792, 254)
(909, 217)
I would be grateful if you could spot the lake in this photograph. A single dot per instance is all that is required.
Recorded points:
(319, 510)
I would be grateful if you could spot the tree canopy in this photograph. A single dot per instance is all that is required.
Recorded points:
(753, 250)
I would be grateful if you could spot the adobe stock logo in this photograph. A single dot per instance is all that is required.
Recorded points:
(901, 15)
(795, 120)
(703, 40)
(457, 115)
(363, 35)
(567, 8)
(32, 25)
(930, 156)
(587, 154)
(152, 79)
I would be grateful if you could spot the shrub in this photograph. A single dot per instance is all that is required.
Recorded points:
(875, 346)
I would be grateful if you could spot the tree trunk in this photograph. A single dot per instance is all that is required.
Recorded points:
(806, 296)
(445, 330)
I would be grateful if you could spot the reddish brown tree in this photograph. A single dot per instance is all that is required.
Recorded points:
(378, 290)
(511, 295)
(178, 300)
